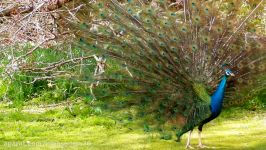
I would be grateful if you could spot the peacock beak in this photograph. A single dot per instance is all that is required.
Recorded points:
(232, 74)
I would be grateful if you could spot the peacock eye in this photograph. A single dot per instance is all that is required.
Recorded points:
(227, 73)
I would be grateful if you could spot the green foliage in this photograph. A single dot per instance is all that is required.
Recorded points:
(166, 136)
(262, 96)
(258, 102)
(22, 86)
(3, 88)
(83, 110)
(18, 91)
(15, 90)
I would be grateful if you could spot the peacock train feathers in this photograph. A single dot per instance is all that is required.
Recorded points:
(167, 61)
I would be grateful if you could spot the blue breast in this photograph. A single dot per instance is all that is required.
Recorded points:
(218, 96)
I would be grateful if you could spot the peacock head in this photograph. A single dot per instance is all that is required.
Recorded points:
(228, 71)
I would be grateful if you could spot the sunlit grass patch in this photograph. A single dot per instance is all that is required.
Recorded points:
(235, 129)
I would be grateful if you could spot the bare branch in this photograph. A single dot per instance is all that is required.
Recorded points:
(16, 9)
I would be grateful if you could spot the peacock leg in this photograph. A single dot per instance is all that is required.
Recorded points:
(200, 142)
(188, 146)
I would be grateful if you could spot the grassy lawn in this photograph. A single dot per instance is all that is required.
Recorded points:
(33, 128)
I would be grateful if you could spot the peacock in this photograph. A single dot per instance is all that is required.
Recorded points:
(177, 66)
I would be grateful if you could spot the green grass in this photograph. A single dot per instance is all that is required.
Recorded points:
(35, 128)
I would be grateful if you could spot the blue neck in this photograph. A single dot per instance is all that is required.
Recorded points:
(218, 96)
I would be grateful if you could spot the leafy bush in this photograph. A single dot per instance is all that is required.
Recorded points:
(18, 87)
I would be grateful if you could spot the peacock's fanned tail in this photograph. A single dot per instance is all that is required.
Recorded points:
(166, 61)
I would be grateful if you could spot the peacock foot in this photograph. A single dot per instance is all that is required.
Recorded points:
(189, 147)
(202, 146)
